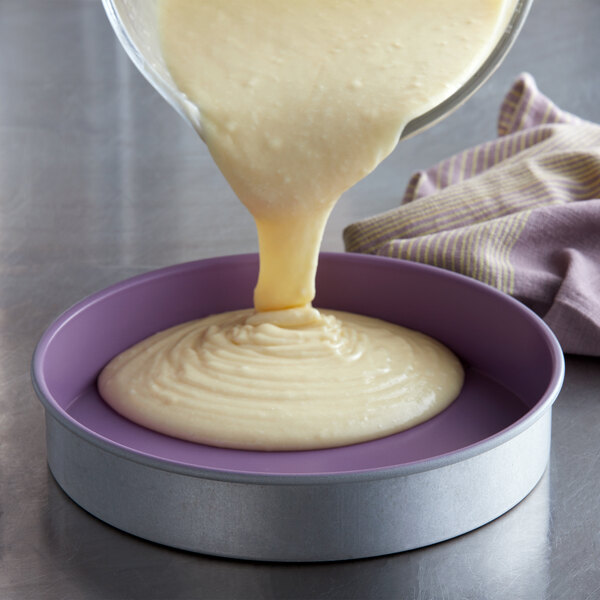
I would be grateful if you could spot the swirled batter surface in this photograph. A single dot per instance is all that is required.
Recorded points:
(239, 380)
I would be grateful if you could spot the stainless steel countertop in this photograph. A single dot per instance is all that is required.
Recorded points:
(100, 180)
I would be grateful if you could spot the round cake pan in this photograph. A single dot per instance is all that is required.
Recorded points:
(447, 476)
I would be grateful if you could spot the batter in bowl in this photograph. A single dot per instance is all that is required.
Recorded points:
(299, 100)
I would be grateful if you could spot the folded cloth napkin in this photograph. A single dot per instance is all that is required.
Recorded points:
(520, 213)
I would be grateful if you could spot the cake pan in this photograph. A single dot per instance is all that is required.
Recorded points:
(449, 475)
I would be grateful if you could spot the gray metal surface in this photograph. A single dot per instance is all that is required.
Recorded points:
(100, 180)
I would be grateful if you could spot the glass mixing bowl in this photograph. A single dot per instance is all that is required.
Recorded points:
(134, 22)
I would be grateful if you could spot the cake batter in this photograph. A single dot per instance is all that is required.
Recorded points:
(298, 100)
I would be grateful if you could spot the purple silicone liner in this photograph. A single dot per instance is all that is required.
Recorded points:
(514, 369)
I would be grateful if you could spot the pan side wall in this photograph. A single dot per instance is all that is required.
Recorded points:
(286, 519)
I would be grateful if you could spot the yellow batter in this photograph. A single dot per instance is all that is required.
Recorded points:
(227, 381)
(300, 99)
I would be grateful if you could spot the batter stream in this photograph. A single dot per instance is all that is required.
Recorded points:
(299, 100)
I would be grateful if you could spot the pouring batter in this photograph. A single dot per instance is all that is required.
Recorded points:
(298, 101)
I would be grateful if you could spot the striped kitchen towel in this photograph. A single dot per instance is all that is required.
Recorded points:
(520, 213)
